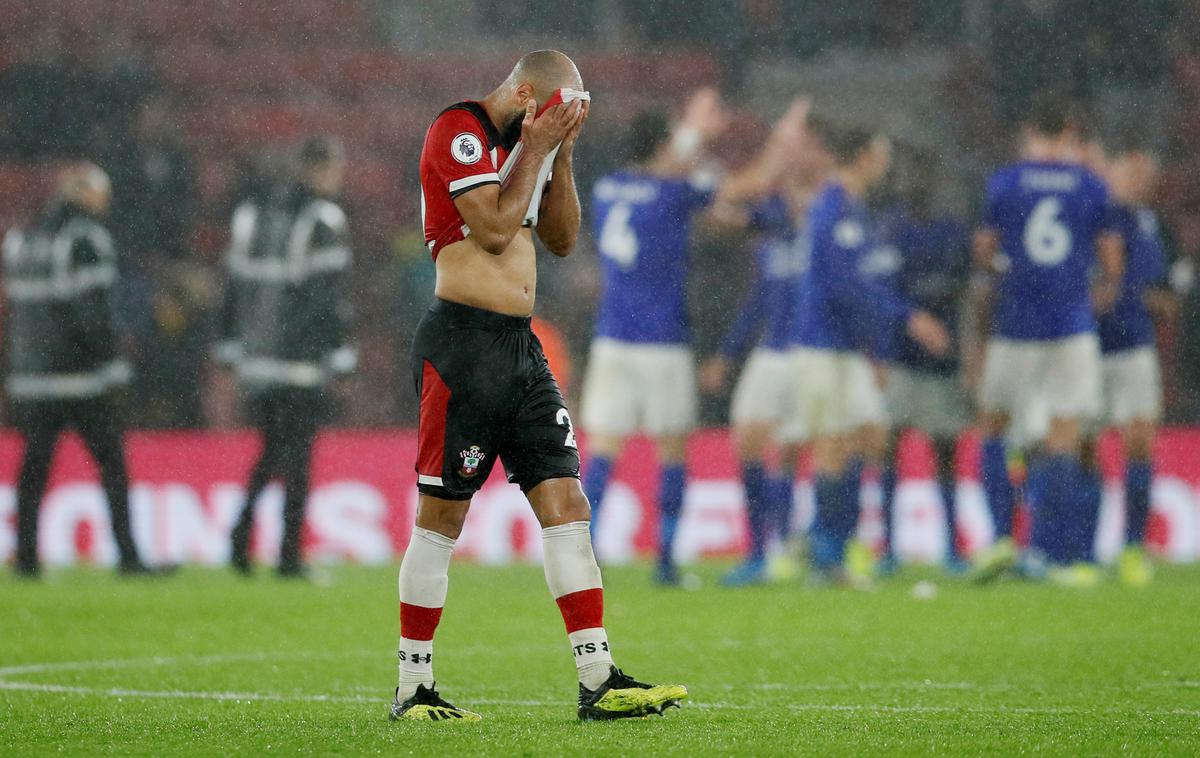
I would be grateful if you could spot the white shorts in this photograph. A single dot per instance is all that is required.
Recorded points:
(1132, 385)
(834, 392)
(1061, 378)
(765, 393)
(934, 403)
(631, 387)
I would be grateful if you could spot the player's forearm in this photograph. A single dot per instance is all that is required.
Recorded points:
(558, 223)
(500, 228)
(1111, 253)
(984, 249)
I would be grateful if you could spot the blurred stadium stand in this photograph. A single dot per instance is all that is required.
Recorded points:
(191, 103)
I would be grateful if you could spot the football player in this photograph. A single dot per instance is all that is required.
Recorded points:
(493, 173)
(1044, 229)
(763, 394)
(1129, 359)
(844, 308)
(924, 391)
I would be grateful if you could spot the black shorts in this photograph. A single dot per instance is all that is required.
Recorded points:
(486, 391)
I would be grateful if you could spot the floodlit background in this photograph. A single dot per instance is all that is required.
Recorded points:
(189, 106)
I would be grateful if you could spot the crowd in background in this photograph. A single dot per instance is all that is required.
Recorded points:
(190, 107)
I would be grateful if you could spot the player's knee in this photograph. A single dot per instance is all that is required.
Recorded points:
(445, 517)
(750, 441)
(1064, 437)
(993, 424)
(559, 501)
(1139, 440)
(604, 445)
(830, 455)
(873, 442)
(672, 449)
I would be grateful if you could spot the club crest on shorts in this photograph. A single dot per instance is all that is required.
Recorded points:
(466, 148)
(472, 457)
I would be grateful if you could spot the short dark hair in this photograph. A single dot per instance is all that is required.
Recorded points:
(319, 151)
(649, 131)
(1052, 113)
(843, 142)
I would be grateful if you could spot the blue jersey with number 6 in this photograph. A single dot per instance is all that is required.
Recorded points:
(1048, 216)
(642, 226)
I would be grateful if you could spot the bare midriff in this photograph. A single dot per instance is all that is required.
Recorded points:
(505, 283)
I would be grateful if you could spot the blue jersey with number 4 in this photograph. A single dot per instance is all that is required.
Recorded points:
(1048, 216)
(642, 225)
(1128, 324)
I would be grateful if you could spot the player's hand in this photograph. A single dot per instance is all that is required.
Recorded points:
(541, 134)
(790, 130)
(929, 333)
(704, 114)
(1104, 295)
(713, 374)
(568, 143)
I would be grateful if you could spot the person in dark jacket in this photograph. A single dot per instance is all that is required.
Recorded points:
(63, 368)
(285, 330)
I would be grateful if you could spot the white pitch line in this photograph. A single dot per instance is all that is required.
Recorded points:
(119, 692)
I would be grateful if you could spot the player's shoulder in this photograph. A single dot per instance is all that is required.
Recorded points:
(466, 129)
(1006, 176)
(830, 197)
(1092, 182)
(830, 205)
(463, 114)
(832, 218)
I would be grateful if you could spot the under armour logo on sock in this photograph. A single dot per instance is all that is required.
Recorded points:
(416, 657)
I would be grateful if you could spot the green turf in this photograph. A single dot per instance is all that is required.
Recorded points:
(208, 663)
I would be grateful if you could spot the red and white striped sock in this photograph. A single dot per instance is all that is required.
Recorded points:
(424, 577)
(574, 580)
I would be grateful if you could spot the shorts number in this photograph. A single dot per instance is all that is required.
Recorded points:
(564, 419)
(1047, 239)
(618, 240)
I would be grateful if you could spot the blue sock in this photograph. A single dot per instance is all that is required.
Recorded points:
(1052, 501)
(1138, 474)
(948, 487)
(852, 487)
(997, 486)
(887, 484)
(1088, 492)
(827, 548)
(781, 487)
(670, 506)
(758, 508)
(595, 482)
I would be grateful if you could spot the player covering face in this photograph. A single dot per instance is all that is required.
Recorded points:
(485, 388)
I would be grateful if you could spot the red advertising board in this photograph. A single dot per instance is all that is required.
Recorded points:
(187, 486)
